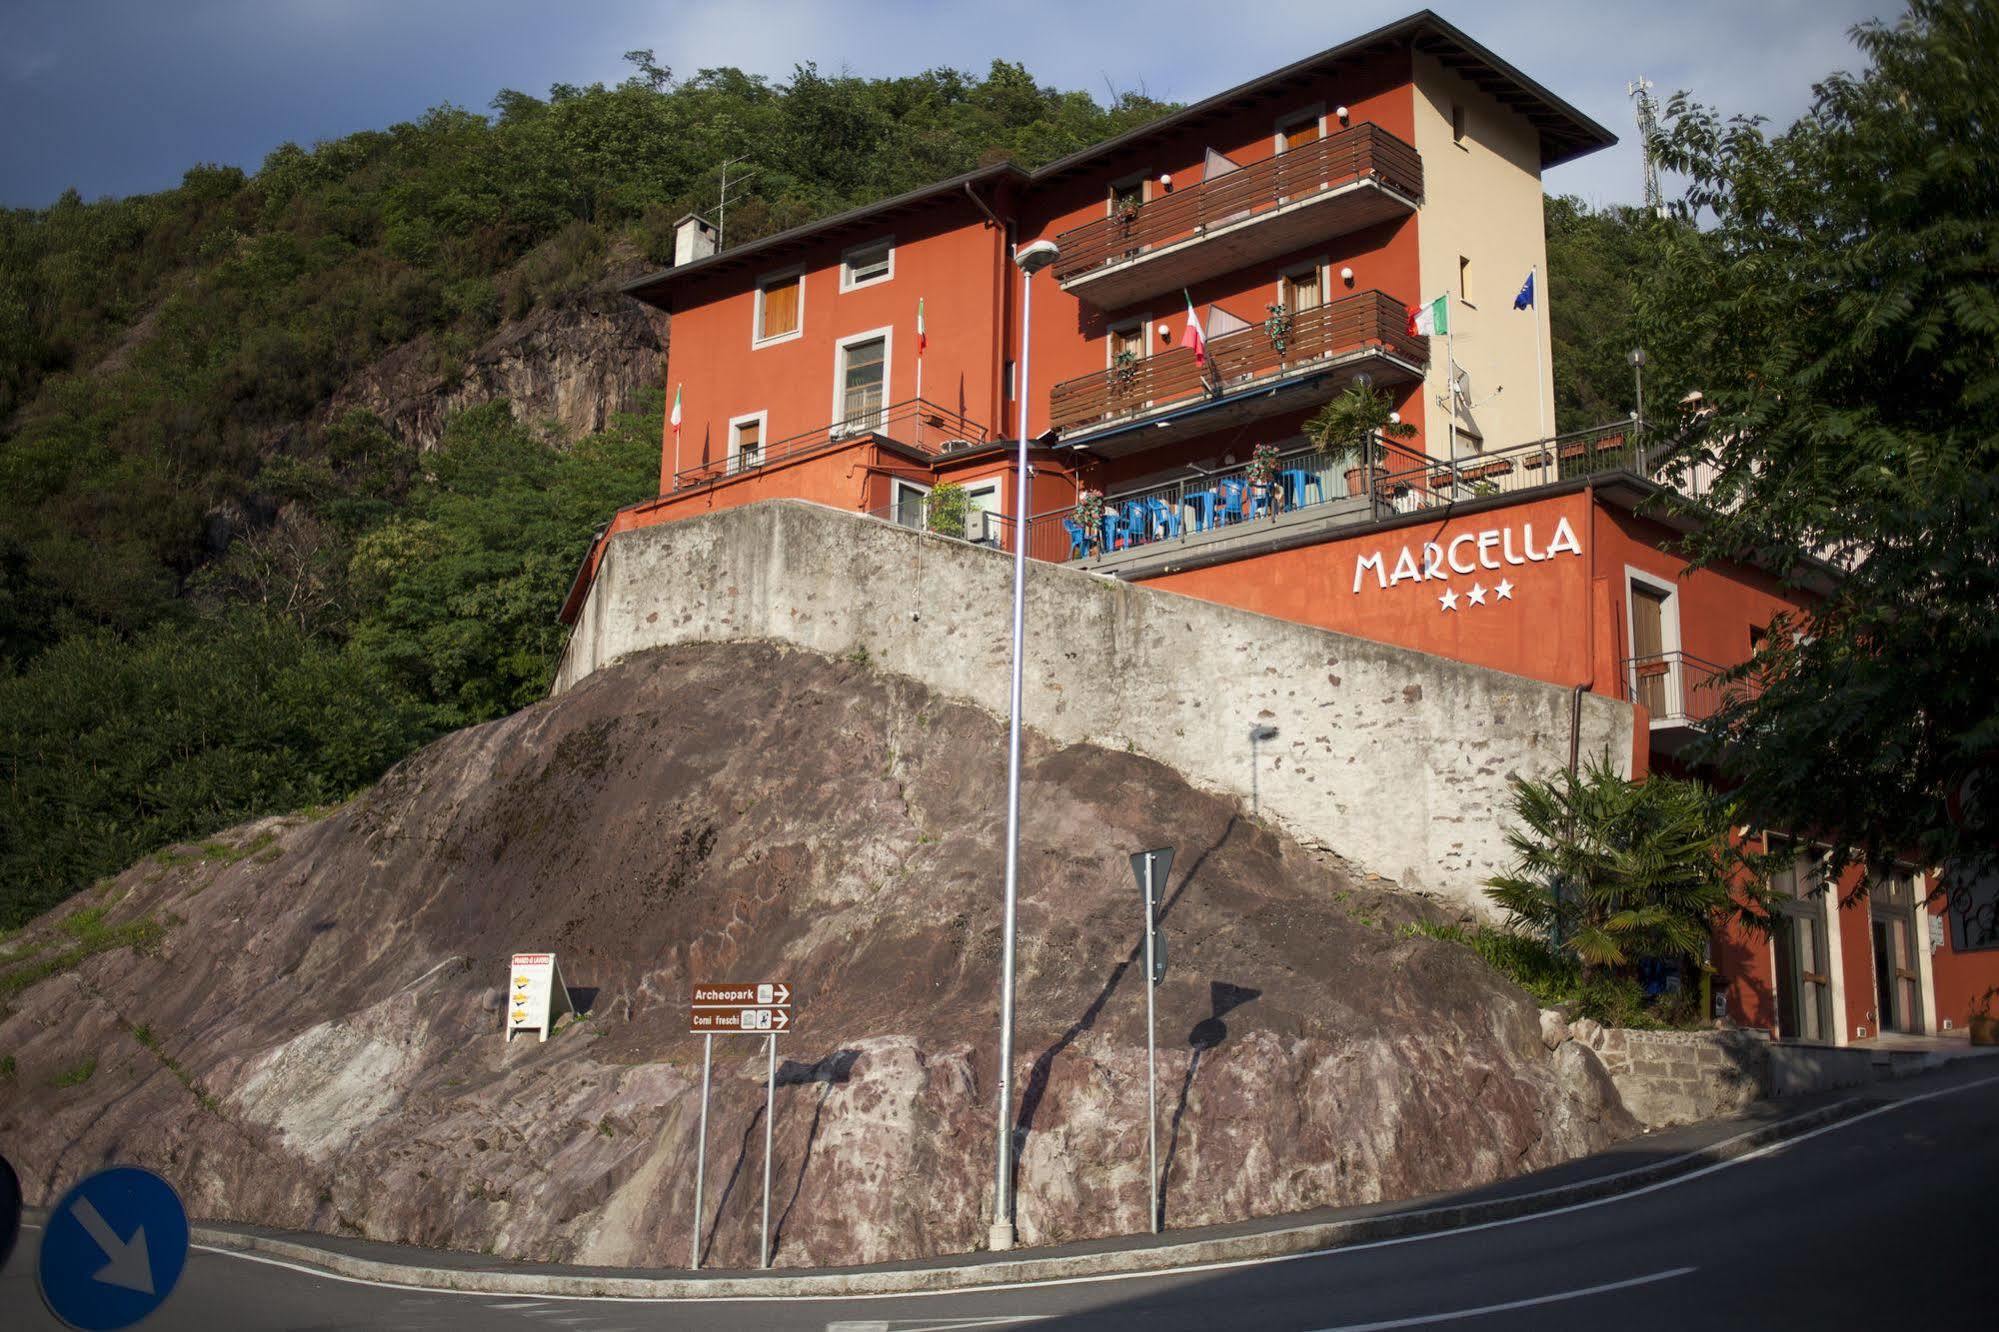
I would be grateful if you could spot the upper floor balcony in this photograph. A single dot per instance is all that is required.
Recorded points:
(918, 424)
(1336, 185)
(1681, 693)
(1252, 373)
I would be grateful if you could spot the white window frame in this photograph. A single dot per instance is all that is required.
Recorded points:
(1669, 624)
(1315, 112)
(1142, 179)
(896, 487)
(847, 282)
(1323, 264)
(1826, 904)
(838, 413)
(1144, 325)
(757, 338)
(994, 486)
(762, 420)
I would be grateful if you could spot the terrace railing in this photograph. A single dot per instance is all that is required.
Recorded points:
(916, 423)
(1680, 689)
(1364, 152)
(1366, 320)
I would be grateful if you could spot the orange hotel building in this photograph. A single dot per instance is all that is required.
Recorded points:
(1301, 215)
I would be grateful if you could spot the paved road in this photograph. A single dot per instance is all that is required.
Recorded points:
(1883, 1221)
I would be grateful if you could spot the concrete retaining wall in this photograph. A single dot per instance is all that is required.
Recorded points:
(1398, 760)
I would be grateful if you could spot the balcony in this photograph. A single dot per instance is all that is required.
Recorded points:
(1340, 184)
(1208, 516)
(1249, 375)
(1681, 693)
(918, 424)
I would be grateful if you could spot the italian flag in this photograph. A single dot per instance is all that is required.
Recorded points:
(922, 338)
(674, 420)
(1432, 320)
(1193, 337)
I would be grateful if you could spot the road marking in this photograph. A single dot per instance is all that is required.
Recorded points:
(1191, 1269)
(1423, 1320)
(949, 1325)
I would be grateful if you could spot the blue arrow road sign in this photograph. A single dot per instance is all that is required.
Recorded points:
(113, 1249)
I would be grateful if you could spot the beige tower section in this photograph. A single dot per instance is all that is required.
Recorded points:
(1480, 231)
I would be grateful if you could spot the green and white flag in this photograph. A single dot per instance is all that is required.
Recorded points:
(1432, 320)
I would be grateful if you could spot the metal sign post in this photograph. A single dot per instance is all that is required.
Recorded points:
(701, 1149)
(770, 1113)
(1150, 868)
(761, 1009)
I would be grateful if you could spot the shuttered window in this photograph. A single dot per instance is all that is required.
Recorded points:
(777, 308)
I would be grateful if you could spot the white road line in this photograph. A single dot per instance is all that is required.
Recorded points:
(1159, 1274)
(1423, 1320)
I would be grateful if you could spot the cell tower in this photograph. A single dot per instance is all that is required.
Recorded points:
(1648, 125)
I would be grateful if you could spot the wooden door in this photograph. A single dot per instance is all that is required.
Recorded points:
(1648, 649)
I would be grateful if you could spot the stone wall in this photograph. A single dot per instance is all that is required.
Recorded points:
(1677, 1077)
(1400, 761)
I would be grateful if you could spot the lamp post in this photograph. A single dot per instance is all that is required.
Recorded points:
(1031, 259)
(1637, 359)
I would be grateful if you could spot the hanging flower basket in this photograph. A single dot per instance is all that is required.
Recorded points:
(1262, 469)
(1278, 327)
(1124, 372)
(1090, 511)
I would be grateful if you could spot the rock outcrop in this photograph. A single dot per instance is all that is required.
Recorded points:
(575, 362)
(314, 1040)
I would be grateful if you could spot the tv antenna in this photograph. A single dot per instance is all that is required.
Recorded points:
(722, 201)
(1640, 90)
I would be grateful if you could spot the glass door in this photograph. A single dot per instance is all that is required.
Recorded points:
(1804, 980)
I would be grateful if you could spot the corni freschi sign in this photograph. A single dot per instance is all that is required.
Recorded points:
(1468, 554)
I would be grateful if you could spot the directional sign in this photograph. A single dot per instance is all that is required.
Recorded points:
(535, 994)
(756, 1009)
(1162, 865)
(113, 1249)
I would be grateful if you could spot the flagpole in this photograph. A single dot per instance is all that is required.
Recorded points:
(1540, 361)
(1451, 386)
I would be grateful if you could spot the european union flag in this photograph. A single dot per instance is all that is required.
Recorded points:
(1525, 300)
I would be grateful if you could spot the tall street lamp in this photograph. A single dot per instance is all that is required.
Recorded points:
(1031, 259)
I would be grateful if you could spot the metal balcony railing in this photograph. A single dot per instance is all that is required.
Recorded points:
(1363, 153)
(1680, 689)
(916, 423)
(1362, 322)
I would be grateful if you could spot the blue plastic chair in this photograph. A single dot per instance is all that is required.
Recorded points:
(1233, 489)
(1079, 540)
(1165, 517)
(1295, 481)
(1136, 526)
(1204, 503)
(1113, 531)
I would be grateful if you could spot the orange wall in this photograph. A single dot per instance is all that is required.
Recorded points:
(1960, 977)
(1542, 631)
(949, 262)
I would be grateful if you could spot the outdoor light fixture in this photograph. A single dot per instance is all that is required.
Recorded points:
(1395, 418)
(1341, 113)
(1030, 259)
(1346, 276)
(1165, 180)
(1637, 358)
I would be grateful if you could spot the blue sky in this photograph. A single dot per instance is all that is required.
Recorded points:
(120, 96)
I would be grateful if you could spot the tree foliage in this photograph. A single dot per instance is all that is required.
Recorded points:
(1837, 309)
(1614, 871)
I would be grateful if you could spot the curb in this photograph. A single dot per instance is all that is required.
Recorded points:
(1290, 1241)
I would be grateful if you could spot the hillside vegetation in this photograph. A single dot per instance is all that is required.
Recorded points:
(217, 600)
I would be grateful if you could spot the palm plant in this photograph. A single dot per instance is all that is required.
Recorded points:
(1614, 870)
(1355, 421)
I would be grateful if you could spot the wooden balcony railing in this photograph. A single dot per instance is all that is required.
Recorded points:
(918, 423)
(1365, 321)
(1364, 152)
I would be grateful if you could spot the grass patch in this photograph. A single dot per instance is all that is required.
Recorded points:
(1555, 979)
(88, 936)
(8, 1071)
(76, 1074)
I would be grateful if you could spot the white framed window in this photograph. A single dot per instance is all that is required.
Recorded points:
(1300, 128)
(1652, 641)
(1128, 335)
(867, 264)
(1133, 189)
(780, 313)
(861, 365)
(1303, 287)
(747, 437)
(910, 503)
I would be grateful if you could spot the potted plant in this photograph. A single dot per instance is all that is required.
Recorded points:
(1357, 420)
(1090, 513)
(1124, 371)
(948, 508)
(1984, 1026)
(1278, 327)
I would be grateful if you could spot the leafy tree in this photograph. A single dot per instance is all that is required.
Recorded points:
(1838, 313)
(1614, 871)
(1595, 259)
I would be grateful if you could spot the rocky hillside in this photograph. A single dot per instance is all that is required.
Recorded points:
(298, 1022)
